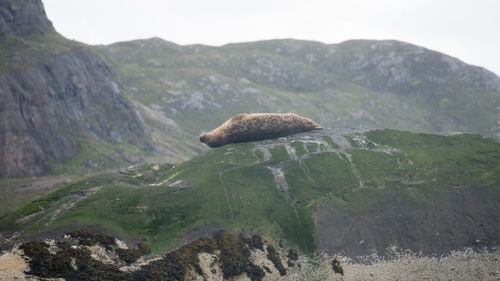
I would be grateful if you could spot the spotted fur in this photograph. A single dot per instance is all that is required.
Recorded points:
(257, 126)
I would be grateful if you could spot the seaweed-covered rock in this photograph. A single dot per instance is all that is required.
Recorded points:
(90, 238)
(274, 257)
(254, 272)
(74, 260)
(171, 268)
(257, 242)
(132, 255)
(68, 263)
(44, 264)
(231, 258)
(293, 255)
(337, 268)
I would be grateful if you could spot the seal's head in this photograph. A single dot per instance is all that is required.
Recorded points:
(203, 138)
(211, 139)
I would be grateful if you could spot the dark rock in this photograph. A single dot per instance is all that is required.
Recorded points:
(231, 258)
(132, 255)
(257, 242)
(274, 257)
(254, 272)
(171, 268)
(293, 254)
(47, 107)
(89, 238)
(23, 17)
(77, 263)
(336, 267)
(44, 264)
(56, 95)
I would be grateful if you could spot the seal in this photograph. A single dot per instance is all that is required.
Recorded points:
(257, 126)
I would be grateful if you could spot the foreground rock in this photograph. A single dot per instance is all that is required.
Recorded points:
(82, 255)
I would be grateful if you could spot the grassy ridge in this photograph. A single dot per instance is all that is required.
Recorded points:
(233, 186)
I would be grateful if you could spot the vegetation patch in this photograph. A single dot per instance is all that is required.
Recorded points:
(68, 263)
(90, 238)
(274, 257)
(76, 262)
(299, 148)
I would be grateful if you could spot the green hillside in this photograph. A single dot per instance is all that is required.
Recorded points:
(316, 190)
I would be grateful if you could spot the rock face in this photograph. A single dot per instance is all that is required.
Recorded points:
(22, 17)
(405, 68)
(52, 99)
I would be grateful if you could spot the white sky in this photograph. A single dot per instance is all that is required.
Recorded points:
(467, 29)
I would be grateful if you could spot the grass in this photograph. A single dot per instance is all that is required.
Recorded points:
(330, 173)
(18, 52)
(459, 159)
(299, 148)
(232, 186)
(330, 142)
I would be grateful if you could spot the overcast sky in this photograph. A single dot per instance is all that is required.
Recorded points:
(467, 29)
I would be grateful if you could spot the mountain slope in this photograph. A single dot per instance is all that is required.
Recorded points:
(358, 83)
(336, 191)
(59, 100)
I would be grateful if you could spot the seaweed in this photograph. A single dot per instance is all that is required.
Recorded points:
(293, 254)
(76, 263)
(336, 267)
(132, 255)
(90, 238)
(171, 268)
(274, 257)
(68, 263)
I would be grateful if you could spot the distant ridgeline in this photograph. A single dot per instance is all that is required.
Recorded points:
(358, 83)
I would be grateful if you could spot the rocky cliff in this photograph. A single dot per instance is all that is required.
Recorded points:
(57, 96)
(23, 17)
